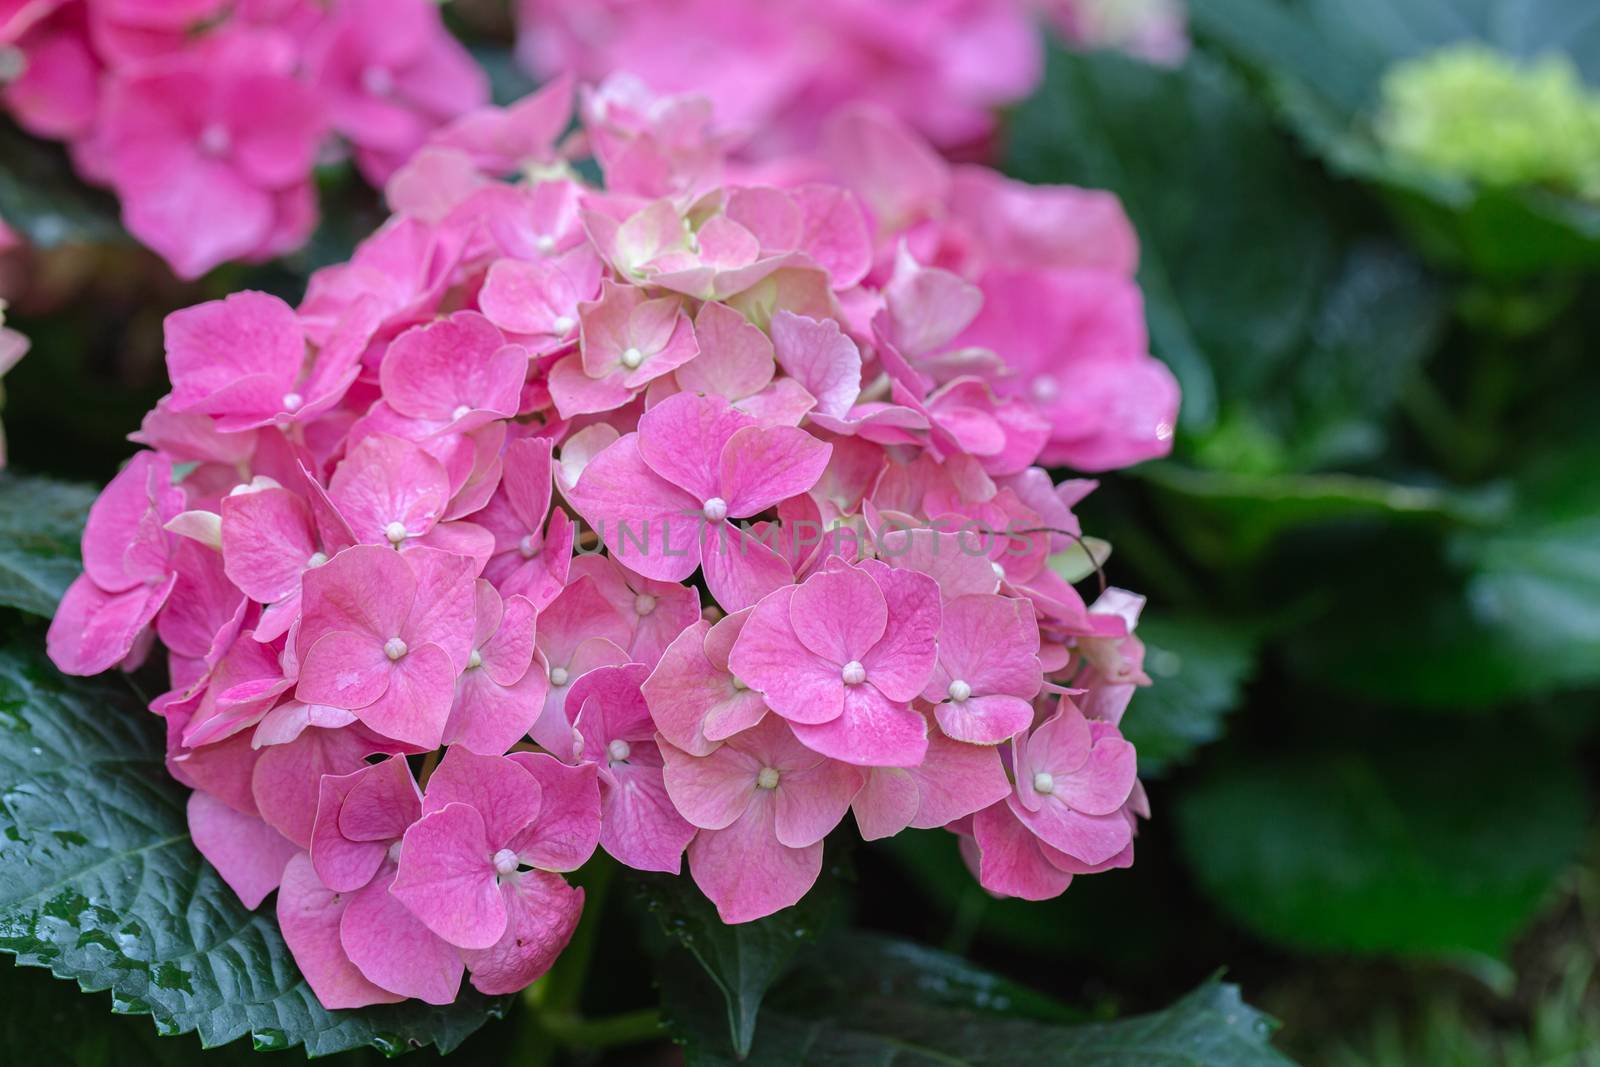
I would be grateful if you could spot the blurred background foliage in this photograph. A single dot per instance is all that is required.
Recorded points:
(1373, 562)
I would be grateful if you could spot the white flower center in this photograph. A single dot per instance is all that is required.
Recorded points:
(394, 648)
(544, 243)
(474, 659)
(317, 559)
(853, 673)
(562, 325)
(558, 676)
(292, 401)
(644, 604)
(505, 861)
(619, 750)
(999, 571)
(715, 509)
(526, 547)
(960, 691)
(377, 81)
(632, 357)
(395, 532)
(461, 411)
(215, 140)
(768, 778)
(394, 851)
(1044, 782)
(1045, 388)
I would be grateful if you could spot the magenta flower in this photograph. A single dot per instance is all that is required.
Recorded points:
(763, 803)
(501, 693)
(578, 632)
(842, 655)
(480, 868)
(210, 151)
(1073, 778)
(384, 635)
(657, 611)
(627, 342)
(954, 780)
(661, 498)
(458, 373)
(638, 824)
(390, 72)
(243, 359)
(988, 670)
(531, 558)
(127, 569)
(695, 700)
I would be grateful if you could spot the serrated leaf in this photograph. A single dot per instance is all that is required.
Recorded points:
(1199, 666)
(861, 999)
(100, 883)
(1259, 295)
(41, 523)
(1437, 849)
(742, 960)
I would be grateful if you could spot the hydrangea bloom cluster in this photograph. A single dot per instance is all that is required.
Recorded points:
(776, 70)
(207, 116)
(683, 518)
(1468, 111)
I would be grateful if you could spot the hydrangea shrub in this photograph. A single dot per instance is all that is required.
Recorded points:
(684, 517)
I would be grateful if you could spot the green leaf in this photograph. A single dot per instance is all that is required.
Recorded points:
(1502, 610)
(1323, 61)
(1199, 666)
(1434, 849)
(742, 960)
(1269, 308)
(864, 999)
(100, 883)
(41, 522)
(1231, 516)
(42, 198)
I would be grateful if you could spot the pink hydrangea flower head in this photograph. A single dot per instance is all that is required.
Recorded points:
(1073, 778)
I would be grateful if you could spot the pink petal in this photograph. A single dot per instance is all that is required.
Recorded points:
(646, 521)
(506, 795)
(247, 853)
(900, 664)
(873, 731)
(735, 358)
(1010, 861)
(711, 791)
(309, 915)
(344, 670)
(746, 872)
(682, 439)
(395, 950)
(416, 704)
(286, 780)
(639, 826)
(840, 615)
(769, 658)
(566, 831)
(544, 913)
(739, 567)
(447, 877)
(821, 358)
(810, 802)
(761, 466)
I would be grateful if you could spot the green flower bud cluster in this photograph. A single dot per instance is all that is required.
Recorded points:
(1471, 112)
